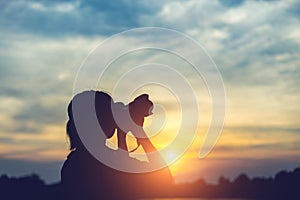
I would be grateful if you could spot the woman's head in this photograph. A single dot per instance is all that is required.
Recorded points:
(103, 103)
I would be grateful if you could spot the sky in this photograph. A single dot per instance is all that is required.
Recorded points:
(254, 43)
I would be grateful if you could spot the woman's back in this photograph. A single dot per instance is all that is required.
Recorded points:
(84, 177)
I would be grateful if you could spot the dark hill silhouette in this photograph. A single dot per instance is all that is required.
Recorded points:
(284, 185)
(27, 187)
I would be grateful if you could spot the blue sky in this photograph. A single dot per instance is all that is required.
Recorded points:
(255, 44)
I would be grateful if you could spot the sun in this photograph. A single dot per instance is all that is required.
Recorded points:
(171, 156)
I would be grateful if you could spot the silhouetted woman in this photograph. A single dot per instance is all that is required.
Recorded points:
(84, 177)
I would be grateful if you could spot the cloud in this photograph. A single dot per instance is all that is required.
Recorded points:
(232, 3)
(236, 3)
(256, 52)
(294, 9)
(252, 51)
(41, 114)
(61, 18)
(36, 80)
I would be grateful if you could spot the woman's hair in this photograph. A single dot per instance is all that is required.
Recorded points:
(103, 103)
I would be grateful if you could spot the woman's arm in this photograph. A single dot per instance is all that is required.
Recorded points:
(147, 145)
(152, 154)
(144, 141)
(122, 139)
